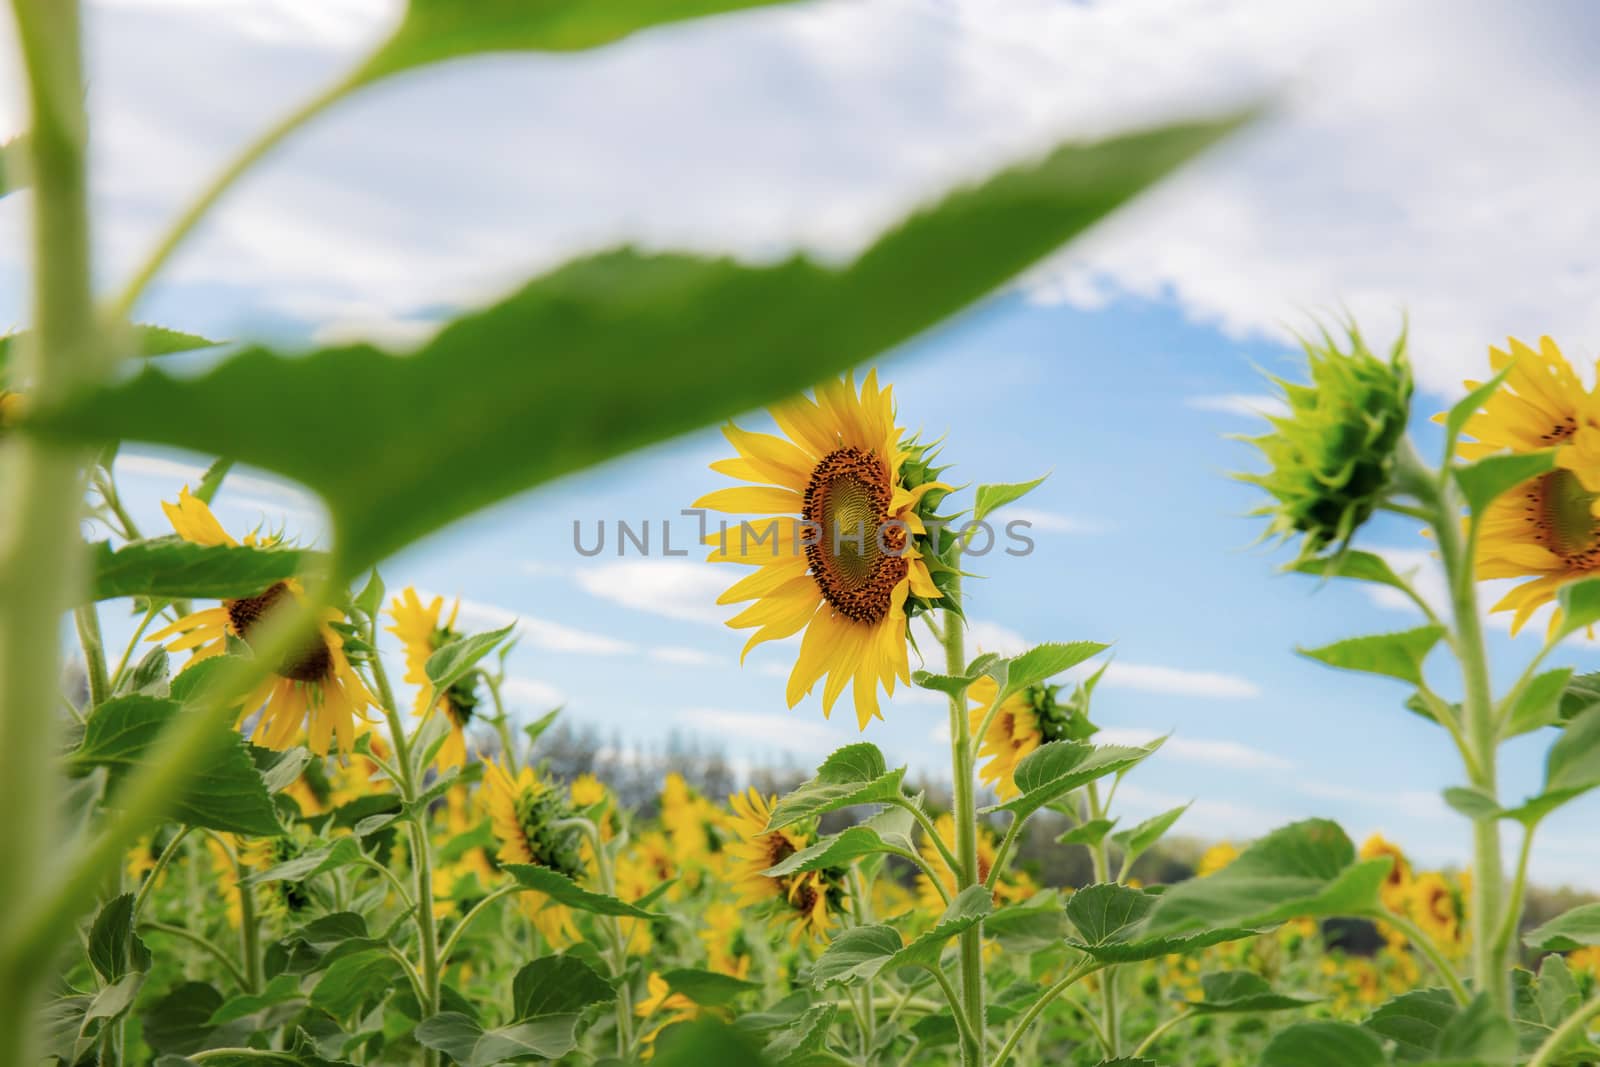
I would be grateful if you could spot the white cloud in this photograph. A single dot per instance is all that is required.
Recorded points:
(1249, 405)
(985, 636)
(1229, 754)
(540, 633)
(685, 657)
(535, 694)
(1151, 678)
(1049, 521)
(793, 731)
(1397, 803)
(677, 589)
(147, 466)
(1208, 817)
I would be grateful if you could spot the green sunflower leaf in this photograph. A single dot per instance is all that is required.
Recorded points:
(341, 853)
(1571, 769)
(12, 171)
(1353, 564)
(1574, 929)
(1413, 1021)
(1477, 1034)
(1052, 771)
(558, 985)
(1456, 419)
(1235, 991)
(548, 1037)
(606, 354)
(1323, 1044)
(450, 663)
(171, 567)
(990, 497)
(1043, 662)
(143, 341)
(1135, 841)
(1088, 834)
(1538, 704)
(1582, 693)
(114, 948)
(1036, 924)
(436, 31)
(862, 951)
(797, 1044)
(563, 890)
(708, 988)
(1482, 482)
(855, 774)
(837, 850)
(1306, 869)
(1397, 655)
(225, 791)
(1580, 605)
(355, 979)
(1112, 921)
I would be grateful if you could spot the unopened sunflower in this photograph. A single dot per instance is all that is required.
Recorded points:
(1546, 529)
(422, 633)
(848, 560)
(810, 902)
(526, 813)
(313, 688)
(1024, 721)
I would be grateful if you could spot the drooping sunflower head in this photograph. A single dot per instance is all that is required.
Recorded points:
(1024, 721)
(850, 559)
(1546, 529)
(1216, 858)
(527, 814)
(312, 688)
(423, 629)
(1398, 883)
(1332, 452)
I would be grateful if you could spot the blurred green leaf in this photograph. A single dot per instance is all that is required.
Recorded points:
(1539, 703)
(145, 341)
(1134, 841)
(114, 948)
(1571, 769)
(863, 951)
(434, 31)
(1323, 1044)
(1112, 921)
(1467, 406)
(1397, 655)
(1052, 771)
(1236, 991)
(563, 890)
(1485, 480)
(607, 354)
(1574, 929)
(12, 173)
(1353, 564)
(1413, 1021)
(557, 985)
(708, 988)
(451, 662)
(1580, 605)
(548, 1037)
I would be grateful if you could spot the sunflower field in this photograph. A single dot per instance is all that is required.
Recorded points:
(252, 834)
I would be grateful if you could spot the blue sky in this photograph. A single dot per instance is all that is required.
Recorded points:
(1417, 161)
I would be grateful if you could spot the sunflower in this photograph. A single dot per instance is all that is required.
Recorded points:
(695, 826)
(1435, 906)
(848, 562)
(225, 874)
(1011, 887)
(525, 812)
(1397, 886)
(281, 896)
(313, 688)
(418, 627)
(642, 866)
(1215, 858)
(808, 902)
(722, 933)
(674, 1007)
(1024, 721)
(1546, 529)
(10, 407)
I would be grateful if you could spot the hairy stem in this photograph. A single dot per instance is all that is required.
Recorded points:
(966, 828)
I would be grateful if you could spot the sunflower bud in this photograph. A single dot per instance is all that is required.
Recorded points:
(1333, 451)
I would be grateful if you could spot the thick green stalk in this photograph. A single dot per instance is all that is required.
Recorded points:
(966, 822)
(41, 494)
(93, 645)
(1491, 970)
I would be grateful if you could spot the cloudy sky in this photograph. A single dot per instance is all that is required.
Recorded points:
(1431, 159)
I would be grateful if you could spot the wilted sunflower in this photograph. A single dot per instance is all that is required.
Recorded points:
(1546, 529)
(525, 811)
(1011, 887)
(313, 688)
(848, 562)
(420, 631)
(1332, 453)
(1024, 721)
(808, 902)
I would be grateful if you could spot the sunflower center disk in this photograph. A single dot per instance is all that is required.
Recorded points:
(312, 663)
(1561, 507)
(856, 559)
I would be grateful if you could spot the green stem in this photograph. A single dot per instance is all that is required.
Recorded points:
(1575, 1025)
(155, 872)
(929, 830)
(87, 620)
(427, 927)
(1082, 970)
(619, 945)
(508, 751)
(1003, 854)
(1155, 1035)
(1512, 919)
(1425, 944)
(249, 930)
(957, 1010)
(966, 828)
(203, 942)
(862, 902)
(1101, 855)
(466, 920)
(1490, 971)
(41, 498)
(197, 209)
(133, 643)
